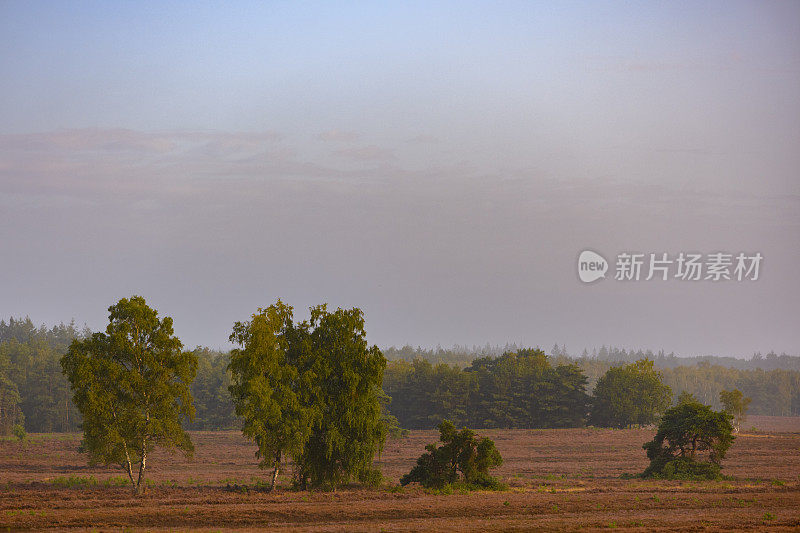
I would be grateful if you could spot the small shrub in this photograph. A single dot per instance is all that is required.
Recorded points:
(769, 516)
(462, 452)
(19, 432)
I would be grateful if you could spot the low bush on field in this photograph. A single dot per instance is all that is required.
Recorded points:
(686, 431)
(687, 470)
(461, 463)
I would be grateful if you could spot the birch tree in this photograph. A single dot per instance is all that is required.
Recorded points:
(272, 384)
(310, 392)
(131, 384)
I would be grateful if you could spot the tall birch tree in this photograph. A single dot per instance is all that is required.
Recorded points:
(131, 384)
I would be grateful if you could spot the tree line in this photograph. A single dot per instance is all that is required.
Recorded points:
(33, 390)
(487, 390)
(462, 356)
(517, 389)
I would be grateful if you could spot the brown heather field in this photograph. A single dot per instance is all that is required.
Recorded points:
(558, 480)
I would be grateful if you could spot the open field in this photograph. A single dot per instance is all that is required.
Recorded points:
(559, 479)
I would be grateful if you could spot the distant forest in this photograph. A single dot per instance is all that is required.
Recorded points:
(475, 386)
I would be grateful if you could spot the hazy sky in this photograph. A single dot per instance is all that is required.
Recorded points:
(440, 165)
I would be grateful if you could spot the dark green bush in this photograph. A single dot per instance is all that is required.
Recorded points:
(462, 458)
(686, 469)
(687, 432)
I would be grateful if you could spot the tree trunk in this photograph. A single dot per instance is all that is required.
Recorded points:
(140, 487)
(128, 465)
(275, 472)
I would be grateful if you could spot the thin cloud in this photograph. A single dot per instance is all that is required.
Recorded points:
(81, 140)
(125, 140)
(366, 153)
(423, 139)
(109, 165)
(338, 136)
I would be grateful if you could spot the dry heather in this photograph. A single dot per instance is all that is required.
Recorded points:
(559, 480)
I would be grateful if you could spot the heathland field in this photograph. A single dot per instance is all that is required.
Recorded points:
(558, 479)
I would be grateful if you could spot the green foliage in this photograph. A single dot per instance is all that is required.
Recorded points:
(522, 389)
(686, 397)
(79, 482)
(516, 390)
(131, 384)
(629, 395)
(423, 394)
(349, 373)
(116, 481)
(735, 404)
(11, 415)
(686, 470)
(462, 452)
(687, 431)
(214, 408)
(19, 432)
(391, 426)
(33, 391)
(310, 391)
(773, 392)
(273, 384)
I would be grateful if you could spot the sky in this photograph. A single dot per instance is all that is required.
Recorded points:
(440, 165)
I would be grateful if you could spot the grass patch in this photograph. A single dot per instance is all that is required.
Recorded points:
(117, 481)
(74, 482)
